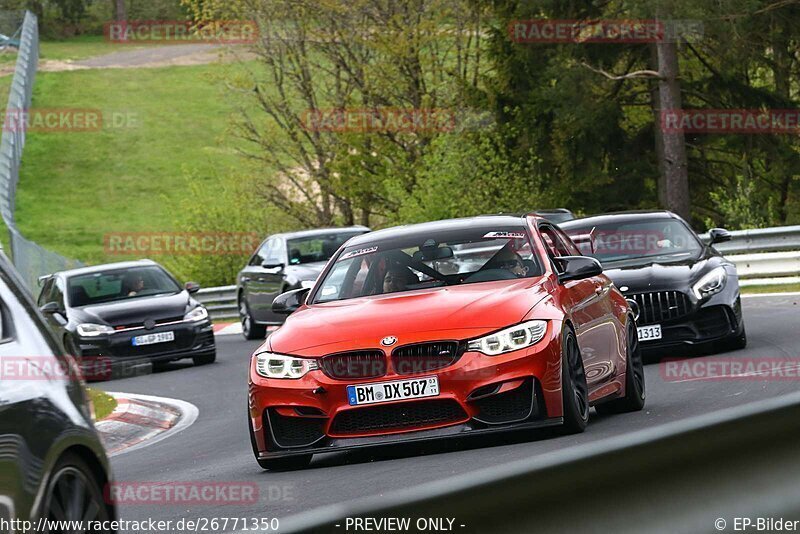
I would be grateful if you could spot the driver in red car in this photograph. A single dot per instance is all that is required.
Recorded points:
(511, 261)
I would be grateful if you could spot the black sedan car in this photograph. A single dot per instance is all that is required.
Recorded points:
(127, 313)
(684, 291)
(284, 262)
(52, 465)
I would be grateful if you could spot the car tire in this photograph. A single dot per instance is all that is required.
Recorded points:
(635, 391)
(205, 359)
(737, 341)
(290, 463)
(69, 479)
(250, 330)
(574, 390)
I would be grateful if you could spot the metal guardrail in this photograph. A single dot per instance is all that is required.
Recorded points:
(767, 265)
(691, 476)
(220, 301)
(760, 240)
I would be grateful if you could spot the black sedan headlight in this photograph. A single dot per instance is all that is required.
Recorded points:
(711, 283)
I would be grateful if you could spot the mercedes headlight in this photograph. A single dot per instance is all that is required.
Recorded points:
(512, 338)
(93, 330)
(307, 284)
(270, 365)
(196, 315)
(711, 283)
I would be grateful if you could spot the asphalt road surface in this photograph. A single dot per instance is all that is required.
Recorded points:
(217, 448)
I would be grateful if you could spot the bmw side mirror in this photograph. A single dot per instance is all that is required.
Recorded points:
(577, 268)
(289, 302)
(719, 235)
(192, 287)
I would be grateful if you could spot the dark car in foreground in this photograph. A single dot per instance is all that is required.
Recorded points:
(440, 330)
(283, 262)
(127, 313)
(685, 292)
(52, 465)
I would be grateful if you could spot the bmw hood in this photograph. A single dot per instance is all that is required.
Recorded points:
(455, 312)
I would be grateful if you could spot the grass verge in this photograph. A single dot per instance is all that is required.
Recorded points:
(104, 403)
(772, 288)
(78, 186)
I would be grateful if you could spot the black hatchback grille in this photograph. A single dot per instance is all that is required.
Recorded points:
(397, 416)
(424, 357)
(661, 306)
(356, 364)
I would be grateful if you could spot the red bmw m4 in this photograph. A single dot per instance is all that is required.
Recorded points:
(443, 329)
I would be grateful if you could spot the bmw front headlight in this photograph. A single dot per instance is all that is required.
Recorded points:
(196, 315)
(270, 365)
(94, 330)
(510, 339)
(711, 283)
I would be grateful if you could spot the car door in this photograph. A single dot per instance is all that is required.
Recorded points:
(267, 280)
(247, 276)
(29, 422)
(588, 307)
(605, 308)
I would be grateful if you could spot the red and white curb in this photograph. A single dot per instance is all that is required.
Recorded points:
(142, 420)
(227, 329)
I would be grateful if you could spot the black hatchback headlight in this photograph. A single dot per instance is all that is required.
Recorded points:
(198, 314)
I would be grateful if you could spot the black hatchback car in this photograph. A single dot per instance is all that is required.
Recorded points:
(126, 313)
(52, 465)
(284, 262)
(683, 290)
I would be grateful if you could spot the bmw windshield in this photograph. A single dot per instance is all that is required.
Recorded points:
(435, 259)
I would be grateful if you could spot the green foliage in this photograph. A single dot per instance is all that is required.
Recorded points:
(742, 206)
(471, 174)
(216, 211)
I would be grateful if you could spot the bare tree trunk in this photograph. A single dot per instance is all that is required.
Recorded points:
(656, 108)
(781, 70)
(121, 15)
(676, 177)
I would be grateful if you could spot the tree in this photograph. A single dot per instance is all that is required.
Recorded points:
(336, 60)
